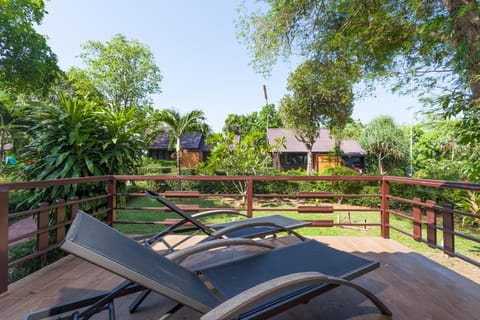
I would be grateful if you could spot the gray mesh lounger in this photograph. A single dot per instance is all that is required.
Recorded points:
(251, 287)
(248, 228)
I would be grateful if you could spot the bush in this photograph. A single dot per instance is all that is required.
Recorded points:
(342, 187)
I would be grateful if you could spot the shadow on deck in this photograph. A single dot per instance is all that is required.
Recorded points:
(411, 285)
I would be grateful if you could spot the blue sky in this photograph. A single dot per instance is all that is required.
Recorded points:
(195, 46)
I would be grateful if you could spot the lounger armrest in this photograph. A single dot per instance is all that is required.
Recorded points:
(234, 306)
(208, 245)
(219, 211)
(245, 225)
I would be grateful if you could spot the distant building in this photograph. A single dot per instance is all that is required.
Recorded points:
(194, 149)
(294, 154)
(5, 147)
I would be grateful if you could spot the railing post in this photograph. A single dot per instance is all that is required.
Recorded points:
(385, 207)
(42, 222)
(431, 224)
(60, 218)
(3, 240)
(73, 207)
(448, 236)
(249, 197)
(112, 190)
(417, 220)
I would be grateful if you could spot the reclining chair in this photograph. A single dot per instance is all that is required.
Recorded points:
(247, 228)
(250, 287)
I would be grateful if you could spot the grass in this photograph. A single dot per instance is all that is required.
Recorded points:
(462, 246)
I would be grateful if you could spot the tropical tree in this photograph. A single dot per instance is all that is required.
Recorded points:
(241, 125)
(76, 138)
(176, 125)
(320, 95)
(427, 44)
(122, 70)
(77, 83)
(384, 140)
(437, 152)
(27, 64)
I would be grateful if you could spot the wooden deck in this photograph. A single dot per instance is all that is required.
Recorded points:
(412, 286)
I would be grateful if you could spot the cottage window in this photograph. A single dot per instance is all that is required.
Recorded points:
(295, 158)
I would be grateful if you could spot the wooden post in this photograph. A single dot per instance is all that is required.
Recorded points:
(431, 225)
(249, 198)
(3, 240)
(448, 236)
(73, 207)
(60, 218)
(417, 220)
(42, 222)
(385, 206)
(112, 190)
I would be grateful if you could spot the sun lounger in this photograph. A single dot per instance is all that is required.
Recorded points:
(247, 228)
(251, 287)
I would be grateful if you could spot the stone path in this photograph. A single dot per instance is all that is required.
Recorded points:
(23, 226)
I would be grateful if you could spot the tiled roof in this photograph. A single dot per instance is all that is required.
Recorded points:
(188, 141)
(323, 144)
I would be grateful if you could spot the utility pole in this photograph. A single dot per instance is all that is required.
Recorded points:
(266, 100)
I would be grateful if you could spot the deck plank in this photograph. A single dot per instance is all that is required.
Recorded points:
(411, 285)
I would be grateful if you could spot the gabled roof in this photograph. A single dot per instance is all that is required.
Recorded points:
(323, 144)
(188, 141)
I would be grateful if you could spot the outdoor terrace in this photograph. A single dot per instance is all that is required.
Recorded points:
(412, 285)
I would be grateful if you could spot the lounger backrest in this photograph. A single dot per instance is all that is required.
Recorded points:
(179, 211)
(99, 244)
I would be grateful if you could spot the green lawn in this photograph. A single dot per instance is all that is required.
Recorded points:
(463, 246)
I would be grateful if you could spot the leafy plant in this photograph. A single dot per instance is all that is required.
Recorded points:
(471, 203)
(78, 139)
(339, 186)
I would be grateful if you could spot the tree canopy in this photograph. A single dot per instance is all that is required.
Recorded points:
(27, 64)
(435, 42)
(241, 125)
(320, 96)
(123, 70)
(384, 140)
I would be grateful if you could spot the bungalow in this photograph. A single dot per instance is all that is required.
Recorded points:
(294, 154)
(194, 149)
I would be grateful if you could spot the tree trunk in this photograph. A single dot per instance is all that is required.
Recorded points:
(380, 165)
(179, 170)
(467, 35)
(309, 159)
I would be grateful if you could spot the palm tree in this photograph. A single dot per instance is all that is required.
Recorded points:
(178, 125)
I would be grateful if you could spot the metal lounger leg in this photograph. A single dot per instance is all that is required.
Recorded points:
(136, 303)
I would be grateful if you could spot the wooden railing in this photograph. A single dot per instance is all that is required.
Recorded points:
(428, 218)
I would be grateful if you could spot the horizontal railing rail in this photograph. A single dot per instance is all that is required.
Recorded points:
(436, 225)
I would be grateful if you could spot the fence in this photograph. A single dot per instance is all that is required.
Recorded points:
(396, 197)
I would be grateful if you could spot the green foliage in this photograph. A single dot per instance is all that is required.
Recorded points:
(321, 95)
(22, 249)
(244, 157)
(241, 125)
(77, 83)
(438, 153)
(431, 47)
(471, 203)
(342, 187)
(78, 139)
(177, 125)
(27, 64)
(386, 142)
(122, 70)
(469, 135)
